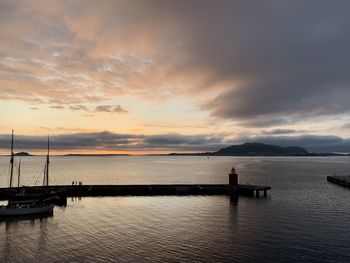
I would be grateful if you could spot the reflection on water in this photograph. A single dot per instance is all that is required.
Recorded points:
(176, 229)
(127, 229)
(24, 239)
(303, 219)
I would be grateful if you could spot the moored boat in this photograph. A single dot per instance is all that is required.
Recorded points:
(26, 209)
(58, 196)
(35, 193)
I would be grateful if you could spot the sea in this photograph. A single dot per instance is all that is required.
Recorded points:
(304, 218)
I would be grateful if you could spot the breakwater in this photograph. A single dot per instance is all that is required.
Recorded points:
(340, 180)
(149, 190)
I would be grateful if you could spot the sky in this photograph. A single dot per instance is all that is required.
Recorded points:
(160, 76)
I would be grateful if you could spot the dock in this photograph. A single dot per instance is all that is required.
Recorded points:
(232, 189)
(149, 190)
(340, 180)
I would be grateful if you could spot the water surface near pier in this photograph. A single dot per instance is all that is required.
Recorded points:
(304, 218)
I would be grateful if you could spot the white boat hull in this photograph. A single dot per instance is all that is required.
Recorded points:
(25, 211)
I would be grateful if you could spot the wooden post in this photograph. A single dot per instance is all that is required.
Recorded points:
(265, 192)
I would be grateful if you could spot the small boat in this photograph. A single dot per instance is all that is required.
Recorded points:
(36, 193)
(24, 209)
(30, 194)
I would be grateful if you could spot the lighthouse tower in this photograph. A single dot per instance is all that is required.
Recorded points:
(233, 177)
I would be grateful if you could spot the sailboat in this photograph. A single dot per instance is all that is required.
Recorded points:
(43, 194)
(27, 208)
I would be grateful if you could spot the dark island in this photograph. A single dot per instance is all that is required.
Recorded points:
(245, 149)
(22, 154)
(261, 149)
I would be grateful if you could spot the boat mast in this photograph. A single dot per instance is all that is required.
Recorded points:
(11, 161)
(19, 172)
(46, 181)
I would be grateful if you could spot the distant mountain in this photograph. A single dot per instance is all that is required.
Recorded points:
(95, 154)
(261, 149)
(22, 154)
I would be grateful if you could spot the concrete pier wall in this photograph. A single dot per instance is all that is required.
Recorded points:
(147, 190)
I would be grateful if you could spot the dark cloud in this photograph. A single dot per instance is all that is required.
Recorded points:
(98, 108)
(88, 141)
(57, 107)
(108, 141)
(277, 59)
(110, 108)
(346, 125)
(78, 108)
(282, 131)
(265, 122)
(113, 141)
(285, 58)
(185, 140)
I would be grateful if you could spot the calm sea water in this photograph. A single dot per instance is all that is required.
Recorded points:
(303, 219)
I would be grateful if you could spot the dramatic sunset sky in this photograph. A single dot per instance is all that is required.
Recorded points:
(143, 76)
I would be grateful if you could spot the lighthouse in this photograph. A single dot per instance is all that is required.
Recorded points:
(233, 177)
